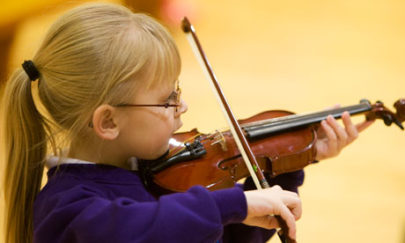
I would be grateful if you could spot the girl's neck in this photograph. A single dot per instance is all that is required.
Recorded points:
(97, 153)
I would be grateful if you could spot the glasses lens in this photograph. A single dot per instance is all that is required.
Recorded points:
(178, 95)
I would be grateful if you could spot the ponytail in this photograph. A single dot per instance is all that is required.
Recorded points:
(25, 149)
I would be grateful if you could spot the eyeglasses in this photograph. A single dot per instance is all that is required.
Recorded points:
(174, 96)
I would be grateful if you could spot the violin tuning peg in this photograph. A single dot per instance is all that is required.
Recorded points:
(387, 119)
(398, 124)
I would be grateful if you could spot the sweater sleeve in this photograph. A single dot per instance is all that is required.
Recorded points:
(240, 233)
(81, 215)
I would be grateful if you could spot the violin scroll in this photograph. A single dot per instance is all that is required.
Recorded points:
(400, 107)
(379, 111)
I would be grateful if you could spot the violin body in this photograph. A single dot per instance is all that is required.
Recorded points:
(222, 165)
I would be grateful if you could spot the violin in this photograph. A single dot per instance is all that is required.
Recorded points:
(281, 141)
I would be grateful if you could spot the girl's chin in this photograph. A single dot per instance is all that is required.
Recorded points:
(156, 153)
(163, 152)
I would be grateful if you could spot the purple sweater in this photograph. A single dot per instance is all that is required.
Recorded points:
(101, 203)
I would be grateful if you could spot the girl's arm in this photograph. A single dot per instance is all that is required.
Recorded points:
(81, 215)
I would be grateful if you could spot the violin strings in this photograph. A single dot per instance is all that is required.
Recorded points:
(306, 116)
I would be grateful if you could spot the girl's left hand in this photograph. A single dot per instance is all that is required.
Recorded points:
(332, 137)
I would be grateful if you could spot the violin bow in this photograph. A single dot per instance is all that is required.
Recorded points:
(240, 139)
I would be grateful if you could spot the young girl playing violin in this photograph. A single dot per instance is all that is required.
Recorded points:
(100, 92)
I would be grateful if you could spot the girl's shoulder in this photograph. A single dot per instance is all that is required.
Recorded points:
(70, 181)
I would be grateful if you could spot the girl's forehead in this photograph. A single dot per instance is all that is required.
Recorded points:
(163, 88)
(163, 85)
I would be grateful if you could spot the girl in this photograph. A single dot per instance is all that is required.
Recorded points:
(104, 86)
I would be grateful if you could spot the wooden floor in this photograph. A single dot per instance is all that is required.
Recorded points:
(303, 56)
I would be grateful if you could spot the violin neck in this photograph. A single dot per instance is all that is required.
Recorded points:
(274, 125)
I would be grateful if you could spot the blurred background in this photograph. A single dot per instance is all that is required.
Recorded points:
(301, 56)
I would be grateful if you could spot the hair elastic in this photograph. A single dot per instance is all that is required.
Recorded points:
(31, 70)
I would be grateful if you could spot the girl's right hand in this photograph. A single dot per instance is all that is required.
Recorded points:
(264, 204)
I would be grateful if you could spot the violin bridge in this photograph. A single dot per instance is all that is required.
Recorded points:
(219, 138)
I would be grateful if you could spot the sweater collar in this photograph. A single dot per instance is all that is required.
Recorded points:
(53, 161)
(86, 170)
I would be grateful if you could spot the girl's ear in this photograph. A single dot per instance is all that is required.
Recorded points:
(104, 124)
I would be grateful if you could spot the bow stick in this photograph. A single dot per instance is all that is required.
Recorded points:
(241, 142)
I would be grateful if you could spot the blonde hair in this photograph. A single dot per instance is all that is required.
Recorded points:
(94, 54)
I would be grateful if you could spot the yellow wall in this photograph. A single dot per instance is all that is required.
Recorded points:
(304, 56)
